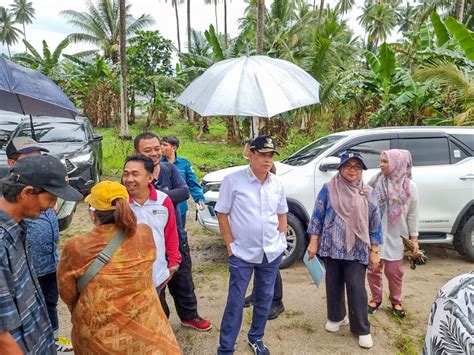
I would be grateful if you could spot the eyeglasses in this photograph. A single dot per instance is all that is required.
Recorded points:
(352, 167)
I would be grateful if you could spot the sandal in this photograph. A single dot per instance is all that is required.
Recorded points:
(398, 312)
(373, 309)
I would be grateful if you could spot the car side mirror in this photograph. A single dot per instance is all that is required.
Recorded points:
(329, 163)
(97, 137)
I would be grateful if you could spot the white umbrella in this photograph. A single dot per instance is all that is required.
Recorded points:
(250, 86)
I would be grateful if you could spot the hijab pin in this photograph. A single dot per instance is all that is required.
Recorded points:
(361, 192)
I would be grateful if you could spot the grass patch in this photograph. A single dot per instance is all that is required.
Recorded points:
(207, 155)
(304, 325)
(211, 153)
(405, 344)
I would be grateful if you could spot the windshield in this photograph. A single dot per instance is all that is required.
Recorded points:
(59, 132)
(311, 151)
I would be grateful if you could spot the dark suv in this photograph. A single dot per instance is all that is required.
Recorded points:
(75, 142)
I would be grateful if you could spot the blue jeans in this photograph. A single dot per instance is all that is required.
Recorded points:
(240, 274)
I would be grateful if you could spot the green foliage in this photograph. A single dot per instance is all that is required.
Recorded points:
(100, 25)
(148, 63)
(462, 35)
(48, 63)
(442, 35)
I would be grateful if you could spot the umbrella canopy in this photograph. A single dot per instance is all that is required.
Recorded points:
(250, 86)
(30, 92)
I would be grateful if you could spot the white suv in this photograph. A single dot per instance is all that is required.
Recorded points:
(443, 168)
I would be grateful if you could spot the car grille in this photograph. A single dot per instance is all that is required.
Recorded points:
(70, 167)
(86, 174)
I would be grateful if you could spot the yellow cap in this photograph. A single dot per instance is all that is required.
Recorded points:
(104, 193)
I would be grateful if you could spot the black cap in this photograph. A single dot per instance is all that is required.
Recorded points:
(23, 145)
(263, 144)
(351, 155)
(45, 172)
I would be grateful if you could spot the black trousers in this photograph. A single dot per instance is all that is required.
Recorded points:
(49, 286)
(350, 275)
(278, 291)
(181, 287)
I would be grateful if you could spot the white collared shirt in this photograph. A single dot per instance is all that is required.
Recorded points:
(253, 208)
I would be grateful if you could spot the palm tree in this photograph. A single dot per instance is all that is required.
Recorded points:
(406, 18)
(188, 13)
(225, 23)
(24, 13)
(260, 25)
(379, 19)
(215, 11)
(174, 3)
(9, 34)
(345, 6)
(100, 25)
(454, 79)
(123, 70)
(46, 63)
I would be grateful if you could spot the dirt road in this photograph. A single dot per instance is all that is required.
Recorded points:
(300, 329)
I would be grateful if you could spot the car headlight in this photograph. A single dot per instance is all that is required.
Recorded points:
(83, 158)
(211, 186)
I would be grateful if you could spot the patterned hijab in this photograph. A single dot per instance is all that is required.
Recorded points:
(350, 201)
(393, 191)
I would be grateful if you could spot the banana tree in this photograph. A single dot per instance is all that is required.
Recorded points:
(48, 62)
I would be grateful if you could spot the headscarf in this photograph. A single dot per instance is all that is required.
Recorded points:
(350, 201)
(393, 191)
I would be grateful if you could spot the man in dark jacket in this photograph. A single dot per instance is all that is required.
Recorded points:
(181, 286)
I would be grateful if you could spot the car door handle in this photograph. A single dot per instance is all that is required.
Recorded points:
(467, 177)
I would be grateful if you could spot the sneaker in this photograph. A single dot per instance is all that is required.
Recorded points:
(334, 326)
(248, 301)
(365, 341)
(259, 347)
(275, 311)
(63, 345)
(198, 323)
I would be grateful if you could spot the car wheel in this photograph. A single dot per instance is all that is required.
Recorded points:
(466, 237)
(295, 239)
(65, 222)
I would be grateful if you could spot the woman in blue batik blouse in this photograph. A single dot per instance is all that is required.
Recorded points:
(345, 231)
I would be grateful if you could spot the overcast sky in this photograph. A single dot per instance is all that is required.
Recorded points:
(53, 28)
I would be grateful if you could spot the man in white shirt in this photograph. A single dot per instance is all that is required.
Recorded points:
(252, 219)
(154, 208)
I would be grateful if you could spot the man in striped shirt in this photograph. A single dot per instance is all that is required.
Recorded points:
(33, 186)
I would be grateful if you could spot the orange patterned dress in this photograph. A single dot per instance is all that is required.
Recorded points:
(119, 311)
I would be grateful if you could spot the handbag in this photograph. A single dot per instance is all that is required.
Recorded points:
(100, 261)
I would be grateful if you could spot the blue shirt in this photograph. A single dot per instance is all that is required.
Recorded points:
(22, 307)
(171, 183)
(331, 230)
(42, 238)
(187, 173)
(253, 210)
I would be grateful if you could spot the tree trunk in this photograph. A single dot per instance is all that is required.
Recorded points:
(132, 116)
(189, 25)
(459, 11)
(124, 133)
(260, 26)
(215, 13)
(24, 36)
(225, 24)
(177, 24)
(321, 9)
